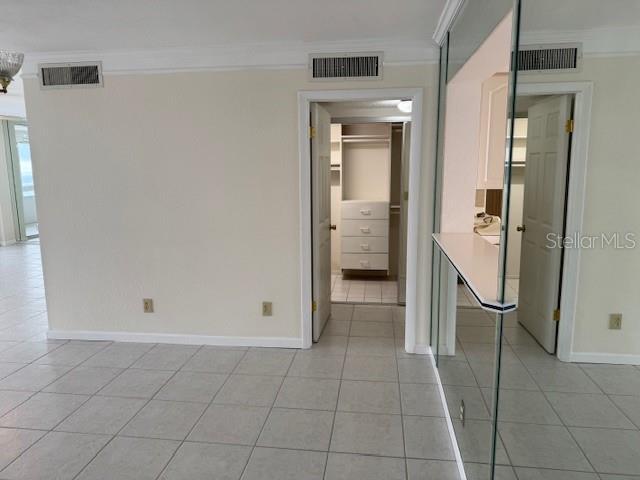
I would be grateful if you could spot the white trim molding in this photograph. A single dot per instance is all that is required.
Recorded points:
(600, 358)
(576, 191)
(232, 57)
(305, 98)
(422, 349)
(447, 17)
(447, 416)
(175, 338)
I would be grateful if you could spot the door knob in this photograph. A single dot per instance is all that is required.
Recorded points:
(521, 228)
(332, 227)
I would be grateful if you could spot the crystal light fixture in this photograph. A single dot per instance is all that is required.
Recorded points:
(10, 63)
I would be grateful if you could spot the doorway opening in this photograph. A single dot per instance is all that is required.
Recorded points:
(362, 164)
(366, 232)
(369, 161)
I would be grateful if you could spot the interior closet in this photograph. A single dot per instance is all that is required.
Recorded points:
(361, 181)
(369, 165)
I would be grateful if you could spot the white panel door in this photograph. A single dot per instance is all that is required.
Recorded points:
(321, 216)
(543, 217)
(404, 210)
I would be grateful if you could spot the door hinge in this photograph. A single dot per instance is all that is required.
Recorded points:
(556, 315)
(312, 132)
(314, 306)
(568, 127)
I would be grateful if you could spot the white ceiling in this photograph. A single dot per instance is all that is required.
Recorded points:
(99, 25)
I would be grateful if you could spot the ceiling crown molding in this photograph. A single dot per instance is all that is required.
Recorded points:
(232, 57)
(447, 17)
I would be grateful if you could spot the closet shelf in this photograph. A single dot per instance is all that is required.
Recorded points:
(369, 140)
(369, 137)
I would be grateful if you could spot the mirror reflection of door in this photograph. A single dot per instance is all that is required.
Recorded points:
(543, 217)
(23, 184)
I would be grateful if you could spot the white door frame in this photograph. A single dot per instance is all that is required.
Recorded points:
(305, 98)
(576, 190)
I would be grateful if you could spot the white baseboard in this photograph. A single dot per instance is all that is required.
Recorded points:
(277, 342)
(608, 358)
(422, 349)
(452, 432)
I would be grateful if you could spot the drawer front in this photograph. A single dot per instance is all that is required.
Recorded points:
(365, 228)
(357, 210)
(365, 261)
(365, 244)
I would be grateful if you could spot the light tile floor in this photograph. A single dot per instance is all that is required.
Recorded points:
(353, 407)
(363, 290)
(558, 421)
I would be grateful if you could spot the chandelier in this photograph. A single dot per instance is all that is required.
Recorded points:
(10, 63)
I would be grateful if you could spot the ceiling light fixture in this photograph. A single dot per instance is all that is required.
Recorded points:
(405, 106)
(10, 64)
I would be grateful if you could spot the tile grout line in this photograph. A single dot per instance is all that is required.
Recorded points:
(335, 412)
(52, 430)
(148, 400)
(114, 436)
(404, 442)
(253, 447)
(558, 415)
(166, 465)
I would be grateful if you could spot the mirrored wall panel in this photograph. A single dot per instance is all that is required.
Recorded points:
(569, 398)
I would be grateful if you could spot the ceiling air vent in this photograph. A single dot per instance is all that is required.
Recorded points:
(549, 58)
(345, 66)
(70, 75)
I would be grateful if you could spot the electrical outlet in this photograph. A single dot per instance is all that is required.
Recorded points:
(267, 309)
(615, 321)
(147, 305)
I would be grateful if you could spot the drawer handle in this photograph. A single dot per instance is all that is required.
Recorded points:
(365, 229)
(365, 212)
(365, 246)
(364, 263)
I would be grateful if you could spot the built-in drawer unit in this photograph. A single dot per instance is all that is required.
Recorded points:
(365, 261)
(365, 235)
(365, 228)
(356, 209)
(365, 245)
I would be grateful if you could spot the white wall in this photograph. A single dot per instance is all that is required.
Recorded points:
(608, 278)
(184, 188)
(462, 128)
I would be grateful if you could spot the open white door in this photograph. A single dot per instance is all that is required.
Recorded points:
(321, 216)
(404, 210)
(543, 216)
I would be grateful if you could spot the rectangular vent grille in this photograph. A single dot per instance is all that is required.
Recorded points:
(549, 58)
(344, 66)
(70, 75)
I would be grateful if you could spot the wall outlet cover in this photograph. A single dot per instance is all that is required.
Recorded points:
(147, 305)
(267, 309)
(615, 321)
